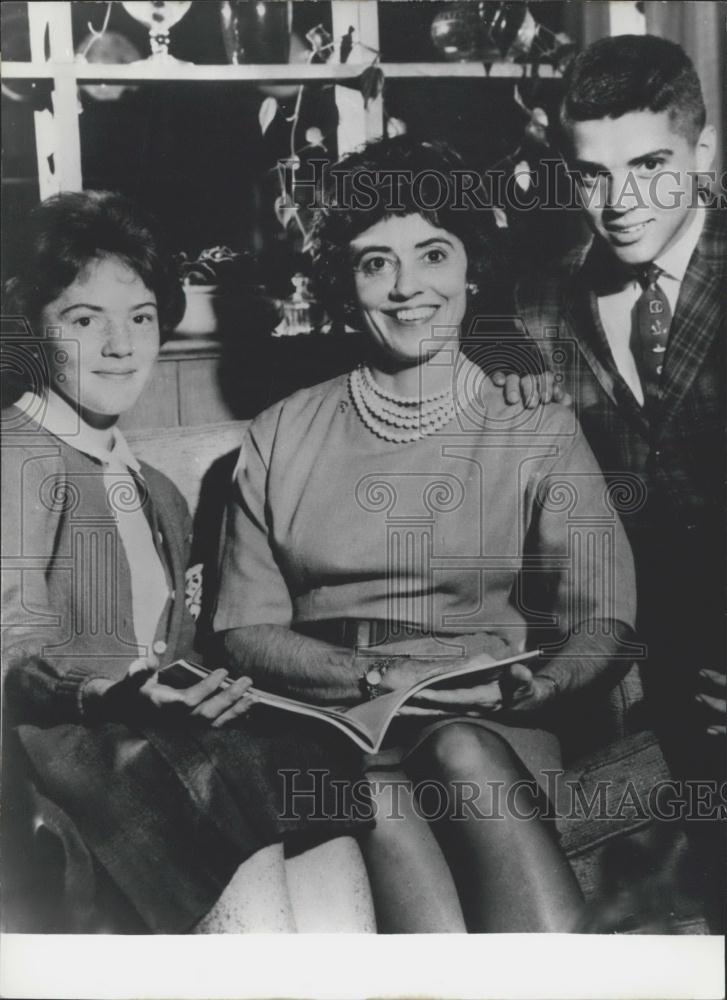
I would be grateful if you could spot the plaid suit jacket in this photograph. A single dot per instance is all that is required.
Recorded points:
(668, 465)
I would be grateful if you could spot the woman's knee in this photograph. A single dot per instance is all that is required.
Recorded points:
(462, 751)
(393, 805)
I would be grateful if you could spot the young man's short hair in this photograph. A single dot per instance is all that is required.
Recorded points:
(614, 76)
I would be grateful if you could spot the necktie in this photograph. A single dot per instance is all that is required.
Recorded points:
(653, 317)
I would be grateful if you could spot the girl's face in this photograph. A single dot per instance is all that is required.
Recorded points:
(410, 282)
(109, 339)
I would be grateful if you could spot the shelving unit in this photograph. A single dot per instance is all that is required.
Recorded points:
(186, 386)
(57, 131)
(264, 72)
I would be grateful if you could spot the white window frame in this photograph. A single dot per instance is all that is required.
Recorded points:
(57, 132)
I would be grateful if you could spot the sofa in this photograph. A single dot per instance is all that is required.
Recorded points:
(622, 859)
(630, 867)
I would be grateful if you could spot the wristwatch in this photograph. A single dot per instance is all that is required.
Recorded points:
(373, 675)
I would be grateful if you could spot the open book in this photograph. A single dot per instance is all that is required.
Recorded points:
(367, 723)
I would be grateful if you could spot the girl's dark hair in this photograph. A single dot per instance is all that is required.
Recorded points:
(67, 231)
(402, 176)
(615, 76)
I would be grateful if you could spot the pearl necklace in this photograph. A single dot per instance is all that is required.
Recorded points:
(400, 419)
(391, 397)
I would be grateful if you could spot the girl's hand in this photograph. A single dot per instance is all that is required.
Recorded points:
(139, 695)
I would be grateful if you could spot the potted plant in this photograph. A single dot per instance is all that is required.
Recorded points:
(205, 279)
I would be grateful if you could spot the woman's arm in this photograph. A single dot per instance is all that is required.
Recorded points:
(584, 663)
(579, 569)
(279, 659)
(254, 608)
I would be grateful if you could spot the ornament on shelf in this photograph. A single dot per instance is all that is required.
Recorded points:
(487, 31)
(320, 42)
(458, 32)
(159, 16)
(264, 33)
(521, 38)
(16, 48)
(257, 32)
(107, 48)
(298, 310)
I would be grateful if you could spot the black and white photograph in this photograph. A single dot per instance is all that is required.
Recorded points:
(364, 467)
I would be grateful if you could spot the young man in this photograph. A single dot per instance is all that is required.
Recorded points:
(643, 308)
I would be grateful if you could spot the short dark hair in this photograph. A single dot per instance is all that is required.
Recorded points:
(614, 76)
(69, 230)
(341, 220)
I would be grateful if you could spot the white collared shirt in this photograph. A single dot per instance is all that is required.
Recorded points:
(616, 309)
(149, 587)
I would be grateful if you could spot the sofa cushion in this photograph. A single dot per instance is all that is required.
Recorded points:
(614, 785)
(185, 454)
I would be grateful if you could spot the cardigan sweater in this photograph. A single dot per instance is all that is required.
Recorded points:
(67, 607)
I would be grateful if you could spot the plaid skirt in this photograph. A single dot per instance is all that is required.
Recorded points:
(171, 813)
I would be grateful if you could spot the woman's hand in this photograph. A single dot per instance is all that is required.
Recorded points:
(409, 670)
(140, 696)
(517, 690)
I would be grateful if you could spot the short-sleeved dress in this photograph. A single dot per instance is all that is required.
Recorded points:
(499, 527)
(169, 813)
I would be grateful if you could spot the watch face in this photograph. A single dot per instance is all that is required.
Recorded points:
(374, 677)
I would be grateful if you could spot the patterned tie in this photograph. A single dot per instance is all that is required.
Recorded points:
(653, 317)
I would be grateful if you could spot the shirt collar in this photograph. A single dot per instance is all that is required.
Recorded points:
(56, 416)
(674, 261)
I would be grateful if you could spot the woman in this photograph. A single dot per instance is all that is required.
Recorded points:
(394, 517)
(177, 803)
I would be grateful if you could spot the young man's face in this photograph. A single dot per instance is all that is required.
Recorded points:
(636, 180)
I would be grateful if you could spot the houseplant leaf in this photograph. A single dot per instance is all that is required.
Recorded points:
(266, 114)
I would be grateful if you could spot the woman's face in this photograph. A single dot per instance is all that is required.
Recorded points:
(410, 281)
(109, 339)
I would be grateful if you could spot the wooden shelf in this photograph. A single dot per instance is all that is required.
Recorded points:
(185, 347)
(303, 72)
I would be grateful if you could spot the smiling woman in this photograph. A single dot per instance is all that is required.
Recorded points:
(388, 520)
(162, 793)
(410, 280)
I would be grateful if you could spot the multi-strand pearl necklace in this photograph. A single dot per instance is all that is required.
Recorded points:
(400, 419)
